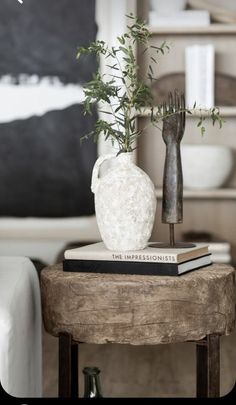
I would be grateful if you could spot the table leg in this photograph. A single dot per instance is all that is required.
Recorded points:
(202, 369)
(214, 366)
(68, 367)
(208, 367)
(74, 371)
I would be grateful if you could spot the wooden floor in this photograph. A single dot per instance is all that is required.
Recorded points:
(143, 371)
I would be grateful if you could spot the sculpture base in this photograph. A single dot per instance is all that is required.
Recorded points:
(178, 245)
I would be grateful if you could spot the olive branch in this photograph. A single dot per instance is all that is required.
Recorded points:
(122, 93)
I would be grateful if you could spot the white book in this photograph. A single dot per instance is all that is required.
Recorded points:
(200, 75)
(179, 19)
(218, 247)
(221, 257)
(151, 254)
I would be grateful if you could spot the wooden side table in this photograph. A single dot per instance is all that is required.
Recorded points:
(106, 308)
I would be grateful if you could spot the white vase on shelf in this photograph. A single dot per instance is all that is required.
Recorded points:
(206, 166)
(125, 203)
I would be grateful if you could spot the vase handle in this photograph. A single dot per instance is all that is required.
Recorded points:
(95, 174)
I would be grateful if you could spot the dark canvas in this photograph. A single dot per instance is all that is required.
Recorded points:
(42, 36)
(44, 171)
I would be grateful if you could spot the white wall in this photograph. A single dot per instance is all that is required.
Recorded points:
(111, 19)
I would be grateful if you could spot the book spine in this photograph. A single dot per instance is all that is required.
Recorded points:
(180, 19)
(152, 269)
(221, 257)
(126, 257)
(84, 266)
(200, 70)
(208, 75)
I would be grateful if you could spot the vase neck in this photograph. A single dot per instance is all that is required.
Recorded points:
(125, 158)
(92, 385)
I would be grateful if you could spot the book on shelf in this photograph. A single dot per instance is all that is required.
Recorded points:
(182, 18)
(221, 252)
(218, 247)
(152, 260)
(215, 243)
(200, 76)
(221, 258)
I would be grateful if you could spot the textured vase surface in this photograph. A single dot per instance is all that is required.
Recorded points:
(125, 203)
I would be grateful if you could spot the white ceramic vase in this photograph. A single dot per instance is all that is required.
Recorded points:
(125, 203)
(206, 166)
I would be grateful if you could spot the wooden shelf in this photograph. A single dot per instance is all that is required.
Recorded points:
(215, 194)
(224, 111)
(214, 206)
(212, 29)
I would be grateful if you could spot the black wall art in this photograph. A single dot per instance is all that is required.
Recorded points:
(41, 37)
(44, 169)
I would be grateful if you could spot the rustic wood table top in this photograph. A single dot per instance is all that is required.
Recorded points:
(114, 308)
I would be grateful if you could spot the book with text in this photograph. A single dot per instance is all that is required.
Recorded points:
(151, 254)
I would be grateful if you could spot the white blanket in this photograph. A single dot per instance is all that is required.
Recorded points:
(20, 328)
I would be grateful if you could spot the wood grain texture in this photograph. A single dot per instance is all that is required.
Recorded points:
(138, 310)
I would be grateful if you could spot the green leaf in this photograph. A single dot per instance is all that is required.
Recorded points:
(130, 16)
(123, 49)
(150, 68)
(121, 40)
(105, 112)
(118, 108)
(114, 67)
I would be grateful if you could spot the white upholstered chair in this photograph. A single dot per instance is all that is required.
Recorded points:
(20, 328)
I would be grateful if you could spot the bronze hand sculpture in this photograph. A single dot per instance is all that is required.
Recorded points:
(172, 133)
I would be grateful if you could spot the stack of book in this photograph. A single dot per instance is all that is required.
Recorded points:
(182, 18)
(220, 252)
(153, 260)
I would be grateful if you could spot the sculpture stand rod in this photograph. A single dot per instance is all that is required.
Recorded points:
(172, 235)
